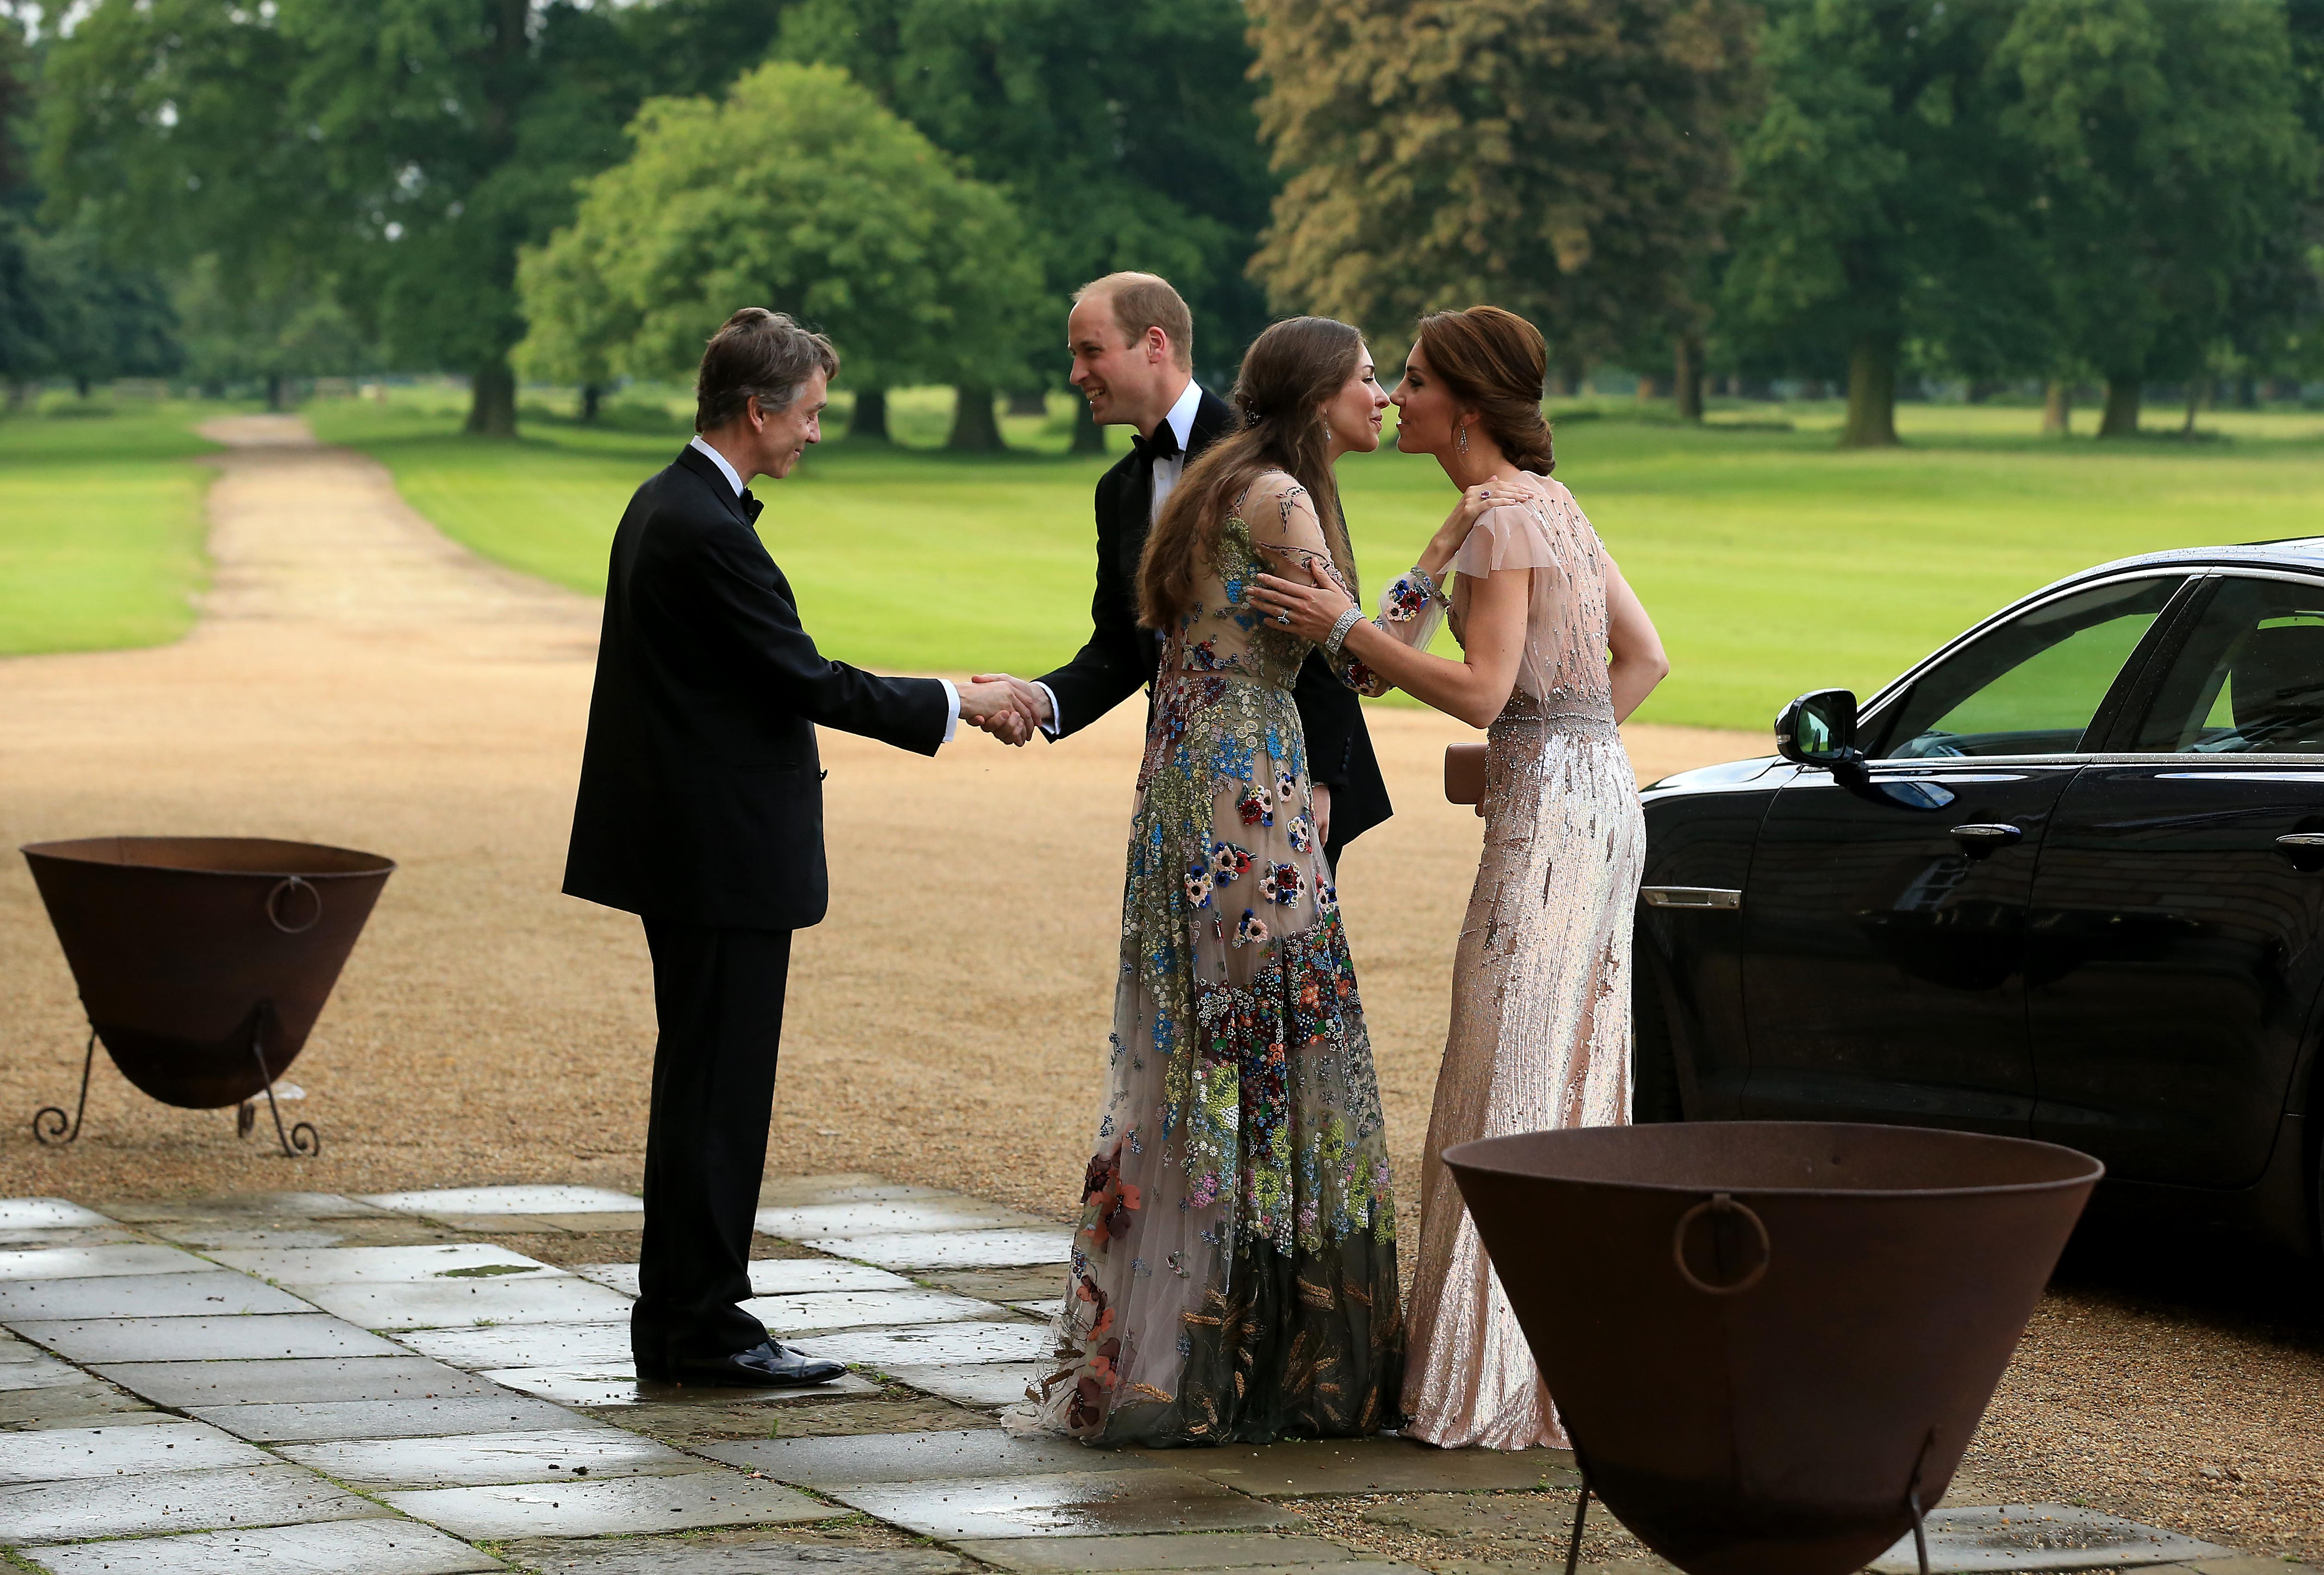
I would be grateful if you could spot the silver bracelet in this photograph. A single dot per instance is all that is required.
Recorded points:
(1348, 619)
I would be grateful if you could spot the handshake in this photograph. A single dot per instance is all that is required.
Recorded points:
(1008, 708)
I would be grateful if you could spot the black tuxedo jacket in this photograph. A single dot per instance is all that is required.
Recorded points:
(1120, 656)
(701, 795)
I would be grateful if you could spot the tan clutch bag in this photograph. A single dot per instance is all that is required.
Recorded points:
(1465, 773)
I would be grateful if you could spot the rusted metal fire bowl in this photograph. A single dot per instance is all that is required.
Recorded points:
(1767, 1337)
(191, 950)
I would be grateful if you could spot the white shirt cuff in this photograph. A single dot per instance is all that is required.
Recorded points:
(1056, 717)
(952, 708)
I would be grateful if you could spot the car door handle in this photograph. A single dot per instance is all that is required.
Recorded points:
(1978, 840)
(2304, 849)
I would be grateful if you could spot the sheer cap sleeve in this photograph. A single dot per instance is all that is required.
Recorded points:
(1512, 536)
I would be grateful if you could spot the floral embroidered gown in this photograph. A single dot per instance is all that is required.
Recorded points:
(1234, 1278)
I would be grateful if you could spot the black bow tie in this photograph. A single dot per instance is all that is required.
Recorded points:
(751, 507)
(1163, 445)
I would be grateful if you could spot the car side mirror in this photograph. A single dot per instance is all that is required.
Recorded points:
(1819, 728)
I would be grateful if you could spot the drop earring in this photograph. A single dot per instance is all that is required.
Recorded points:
(1461, 438)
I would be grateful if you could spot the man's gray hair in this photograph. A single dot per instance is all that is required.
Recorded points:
(760, 354)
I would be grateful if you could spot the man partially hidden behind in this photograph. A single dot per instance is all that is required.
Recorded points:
(1132, 341)
(701, 810)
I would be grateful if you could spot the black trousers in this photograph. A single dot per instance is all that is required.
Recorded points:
(718, 1001)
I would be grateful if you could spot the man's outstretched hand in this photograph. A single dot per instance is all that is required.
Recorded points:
(1032, 703)
(997, 705)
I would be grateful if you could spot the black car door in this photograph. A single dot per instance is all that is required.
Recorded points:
(1884, 911)
(2174, 960)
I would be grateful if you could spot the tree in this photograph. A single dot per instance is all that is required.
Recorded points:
(100, 320)
(1125, 135)
(234, 336)
(801, 193)
(1568, 158)
(397, 152)
(1883, 199)
(2172, 167)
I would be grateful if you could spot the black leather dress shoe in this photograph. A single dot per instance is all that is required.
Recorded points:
(765, 1366)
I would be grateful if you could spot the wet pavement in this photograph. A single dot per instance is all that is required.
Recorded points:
(385, 1386)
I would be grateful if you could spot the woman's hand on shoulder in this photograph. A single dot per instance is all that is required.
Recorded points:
(1307, 606)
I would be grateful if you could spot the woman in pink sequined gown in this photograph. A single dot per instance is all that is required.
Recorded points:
(1541, 985)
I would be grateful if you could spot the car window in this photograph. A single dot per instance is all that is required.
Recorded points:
(2248, 679)
(2031, 686)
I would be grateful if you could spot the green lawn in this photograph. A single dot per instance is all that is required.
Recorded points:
(1772, 562)
(100, 528)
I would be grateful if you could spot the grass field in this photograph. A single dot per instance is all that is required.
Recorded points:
(1772, 562)
(100, 528)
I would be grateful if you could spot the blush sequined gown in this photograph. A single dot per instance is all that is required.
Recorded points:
(1234, 1277)
(1540, 1035)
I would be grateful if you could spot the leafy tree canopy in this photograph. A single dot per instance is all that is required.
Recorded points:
(1567, 158)
(801, 193)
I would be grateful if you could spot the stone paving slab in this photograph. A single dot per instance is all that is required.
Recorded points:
(933, 1249)
(58, 1263)
(1251, 1552)
(823, 1311)
(674, 1556)
(986, 1385)
(168, 1501)
(110, 1236)
(1068, 1503)
(334, 1265)
(44, 1372)
(319, 1421)
(238, 1239)
(618, 1384)
(83, 1404)
(535, 1345)
(2040, 1536)
(204, 1291)
(518, 1199)
(243, 1205)
(774, 1277)
(48, 1214)
(440, 1303)
(569, 1454)
(61, 1455)
(931, 1345)
(1045, 1283)
(858, 1459)
(811, 1222)
(617, 1506)
(289, 1379)
(93, 1341)
(790, 1192)
(347, 1547)
(1305, 1468)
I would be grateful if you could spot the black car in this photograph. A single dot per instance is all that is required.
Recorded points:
(2063, 880)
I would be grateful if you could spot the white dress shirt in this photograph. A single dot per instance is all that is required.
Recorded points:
(734, 479)
(1166, 472)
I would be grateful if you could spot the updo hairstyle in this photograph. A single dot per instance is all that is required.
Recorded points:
(1496, 362)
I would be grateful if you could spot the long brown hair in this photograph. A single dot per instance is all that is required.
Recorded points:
(1287, 374)
(1495, 361)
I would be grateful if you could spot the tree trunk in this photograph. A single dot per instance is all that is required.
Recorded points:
(1029, 401)
(2057, 409)
(1871, 394)
(1646, 386)
(2246, 393)
(869, 418)
(1686, 376)
(80, 385)
(1089, 438)
(273, 390)
(973, 429)
(592, 394)
(492, 400)
(2121, 419)
(2198, 391)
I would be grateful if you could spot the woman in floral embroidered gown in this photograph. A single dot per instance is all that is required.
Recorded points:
(1541, 984)
(1234, 1279)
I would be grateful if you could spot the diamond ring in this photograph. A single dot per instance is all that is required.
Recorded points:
(1283, 617)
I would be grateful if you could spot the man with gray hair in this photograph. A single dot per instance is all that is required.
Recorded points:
(701, 810)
